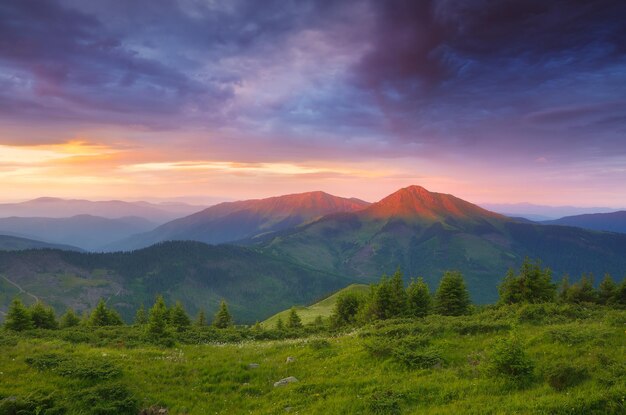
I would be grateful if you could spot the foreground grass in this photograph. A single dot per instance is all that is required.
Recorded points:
(357, 371)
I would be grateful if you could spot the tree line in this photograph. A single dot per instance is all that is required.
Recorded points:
(532, 283)
(158, 321)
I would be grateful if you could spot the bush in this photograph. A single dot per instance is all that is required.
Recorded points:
(107, 399)
(563, 376)
(34, 404)
(509, 360)
(384, 403)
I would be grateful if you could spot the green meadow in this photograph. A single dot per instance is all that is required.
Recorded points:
(572, 361)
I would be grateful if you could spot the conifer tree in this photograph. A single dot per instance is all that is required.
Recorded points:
(200, 319)
(43, 317)
(18, 317)
(179, 318)
(419, 298)
(69, 319)
(318, 322)
(141, 317)
(280, 326)
(532, 285)
(157, 320)
(608, 290)
(294, 321)
(564, 288)
(398, 296)
(346, 308)
(583, 291)
(452, 297)
(100, 315)
(620, 293)
(223, 319)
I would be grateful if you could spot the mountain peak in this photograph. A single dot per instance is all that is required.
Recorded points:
(415, 202)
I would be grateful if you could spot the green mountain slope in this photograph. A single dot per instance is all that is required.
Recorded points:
(323, 308)
(15, 243)
(427, 233)
(254, 285)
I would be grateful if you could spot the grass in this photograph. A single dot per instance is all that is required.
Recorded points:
(577, 355)
(323, 308)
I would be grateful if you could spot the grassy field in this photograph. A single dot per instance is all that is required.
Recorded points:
(323, 308)
(436, 365)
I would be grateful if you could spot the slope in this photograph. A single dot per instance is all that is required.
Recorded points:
(199, 275)
(322, 308)
(611, 222)
(233, 221)
(14, 243)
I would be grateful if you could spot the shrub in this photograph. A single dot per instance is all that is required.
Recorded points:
(384, 403)
(35, 403)
(319, 344)
(563, 376)
(107, 399)
(509, 360)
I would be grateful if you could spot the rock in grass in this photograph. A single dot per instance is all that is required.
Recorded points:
(291, 359)
(285, 381)
(253, 366)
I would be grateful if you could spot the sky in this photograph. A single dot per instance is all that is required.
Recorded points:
(497, 101)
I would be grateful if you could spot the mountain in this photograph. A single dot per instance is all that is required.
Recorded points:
(541, 212)
(427, 233)
(234, 221)
(14, 243)
(51, 207)
(85, 231)
(611, 222)
(254, 285)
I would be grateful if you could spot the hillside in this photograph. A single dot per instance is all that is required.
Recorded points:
(427, 233)
(610, 222)
(254, 285)
(532, 359)
(322, 308)
(233, 221)
(85, 231)
(14, 243)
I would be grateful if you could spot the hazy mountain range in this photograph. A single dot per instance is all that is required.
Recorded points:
(542, 212)
(296, 248)
(610, 222)
(52, 207)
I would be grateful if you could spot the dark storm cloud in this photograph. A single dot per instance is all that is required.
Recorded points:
(391, 77)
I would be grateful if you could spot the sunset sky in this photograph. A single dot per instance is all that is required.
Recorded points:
(490, 100)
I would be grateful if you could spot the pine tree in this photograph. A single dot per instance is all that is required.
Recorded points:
(43, 317)
(294, 321)
(583, 291)
(398, 296)
(452, 297)
(100, 315)
(157, 320)
(141, 317)
(114, 318)
(69, 319)
(318, 322)
(18, 317)
(280, 326)
(346, 308)
(179, 318)
(223, 319)
(564, 288)
(419, 298)
(200, 319)
(620, 293)
(608, 290)
(532, 285)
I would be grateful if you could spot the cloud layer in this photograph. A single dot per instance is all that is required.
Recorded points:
(486, 85)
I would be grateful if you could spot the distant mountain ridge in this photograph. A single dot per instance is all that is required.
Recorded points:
(52, 207)
(14, 243)
(610, 222)
(233, 221)
(85, 231)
